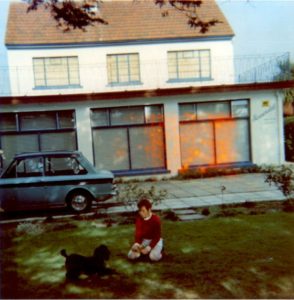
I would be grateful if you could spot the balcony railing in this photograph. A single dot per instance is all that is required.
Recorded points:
(19, 80)
(267, 68)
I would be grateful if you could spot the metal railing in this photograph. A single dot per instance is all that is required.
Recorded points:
(263, 68)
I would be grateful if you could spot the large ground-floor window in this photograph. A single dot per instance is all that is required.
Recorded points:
(37, 131)
(128, 138)
(214, 133)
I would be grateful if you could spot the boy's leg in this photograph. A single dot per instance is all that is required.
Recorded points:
(155, 254)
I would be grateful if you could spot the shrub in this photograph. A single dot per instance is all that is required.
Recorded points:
(130, 194)
(205, 211)
(170, 215)
(289, 138)
(206, 172)
(283, 177)
(288, 205)
(29, 228)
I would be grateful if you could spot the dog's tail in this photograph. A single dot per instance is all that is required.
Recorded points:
(63, 253)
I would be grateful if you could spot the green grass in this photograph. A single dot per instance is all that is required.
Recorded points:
(235, 257)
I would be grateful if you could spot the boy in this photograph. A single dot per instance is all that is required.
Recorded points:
(148, 239)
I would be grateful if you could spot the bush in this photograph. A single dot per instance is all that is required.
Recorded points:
(205, 211)
(29, 228)
(288, 205)
(283, 177)
(289, 138)
(130, 194)
(170, 215)
(206, 172)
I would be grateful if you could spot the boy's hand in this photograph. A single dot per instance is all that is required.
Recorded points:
(146, 250)
(137, 247)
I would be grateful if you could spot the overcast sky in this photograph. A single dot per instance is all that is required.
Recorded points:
(260, 26)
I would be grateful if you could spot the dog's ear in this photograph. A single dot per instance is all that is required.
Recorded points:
(103, 252)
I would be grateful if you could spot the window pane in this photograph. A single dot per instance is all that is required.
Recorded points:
(16, 144)
(58, 141)
(197, 144)
(147, 147)
(172, 65)
(73, 70)
(60, 166)
(111, 149)
(130, 115)
(112, 69)
(123, 68)
(187, 112)
(39, 72)
(99, 117)
(214, 110)
(66, 119)
(34, 121)
(205, 64)
(56, 71)
(7, 122)
(30, 167)
(134, 67)
(240, 108)
(189, 65)
(232, 141)
(153, 114)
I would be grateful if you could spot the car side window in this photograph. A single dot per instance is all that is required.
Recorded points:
(63, 166)
(30, 167)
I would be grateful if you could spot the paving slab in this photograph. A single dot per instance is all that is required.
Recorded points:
(184, 212)
(193, 217)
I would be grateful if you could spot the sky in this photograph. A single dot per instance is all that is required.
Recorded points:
(260, 26)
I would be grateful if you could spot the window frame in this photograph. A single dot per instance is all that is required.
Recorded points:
(39, 132)
(128, 127)
(200, 67)
(231, 117)
(45, 73)
(117, 81)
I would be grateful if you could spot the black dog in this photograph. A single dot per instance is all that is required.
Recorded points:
(77, 264)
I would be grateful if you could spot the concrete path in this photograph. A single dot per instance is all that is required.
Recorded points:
(185, 194)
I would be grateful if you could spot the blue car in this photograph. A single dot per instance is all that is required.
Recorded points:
(43, 180)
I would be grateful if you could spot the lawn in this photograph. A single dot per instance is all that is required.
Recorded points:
(247, 256)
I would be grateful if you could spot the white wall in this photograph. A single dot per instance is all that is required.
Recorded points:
(266, 122)
(93, 72)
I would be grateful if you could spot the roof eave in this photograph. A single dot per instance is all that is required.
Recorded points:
(118, 42)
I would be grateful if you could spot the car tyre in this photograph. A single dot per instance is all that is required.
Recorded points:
(79, 201)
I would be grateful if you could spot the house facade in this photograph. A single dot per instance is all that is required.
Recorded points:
(140, 96)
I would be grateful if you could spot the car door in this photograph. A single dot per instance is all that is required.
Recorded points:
(29, 183)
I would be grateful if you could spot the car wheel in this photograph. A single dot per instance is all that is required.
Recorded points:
(79, 202)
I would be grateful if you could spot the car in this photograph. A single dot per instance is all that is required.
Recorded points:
(43, 180)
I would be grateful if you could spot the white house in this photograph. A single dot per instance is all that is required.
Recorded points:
(143, 95)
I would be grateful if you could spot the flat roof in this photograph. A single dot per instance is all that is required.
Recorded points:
(63, 98)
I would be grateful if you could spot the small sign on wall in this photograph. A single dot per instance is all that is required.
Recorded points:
(265, 103)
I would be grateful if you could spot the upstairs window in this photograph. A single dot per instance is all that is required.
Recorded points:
(56, 71)
(189, 65)
(123, 69)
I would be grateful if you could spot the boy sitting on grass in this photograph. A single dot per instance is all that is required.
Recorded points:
(148, 239)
